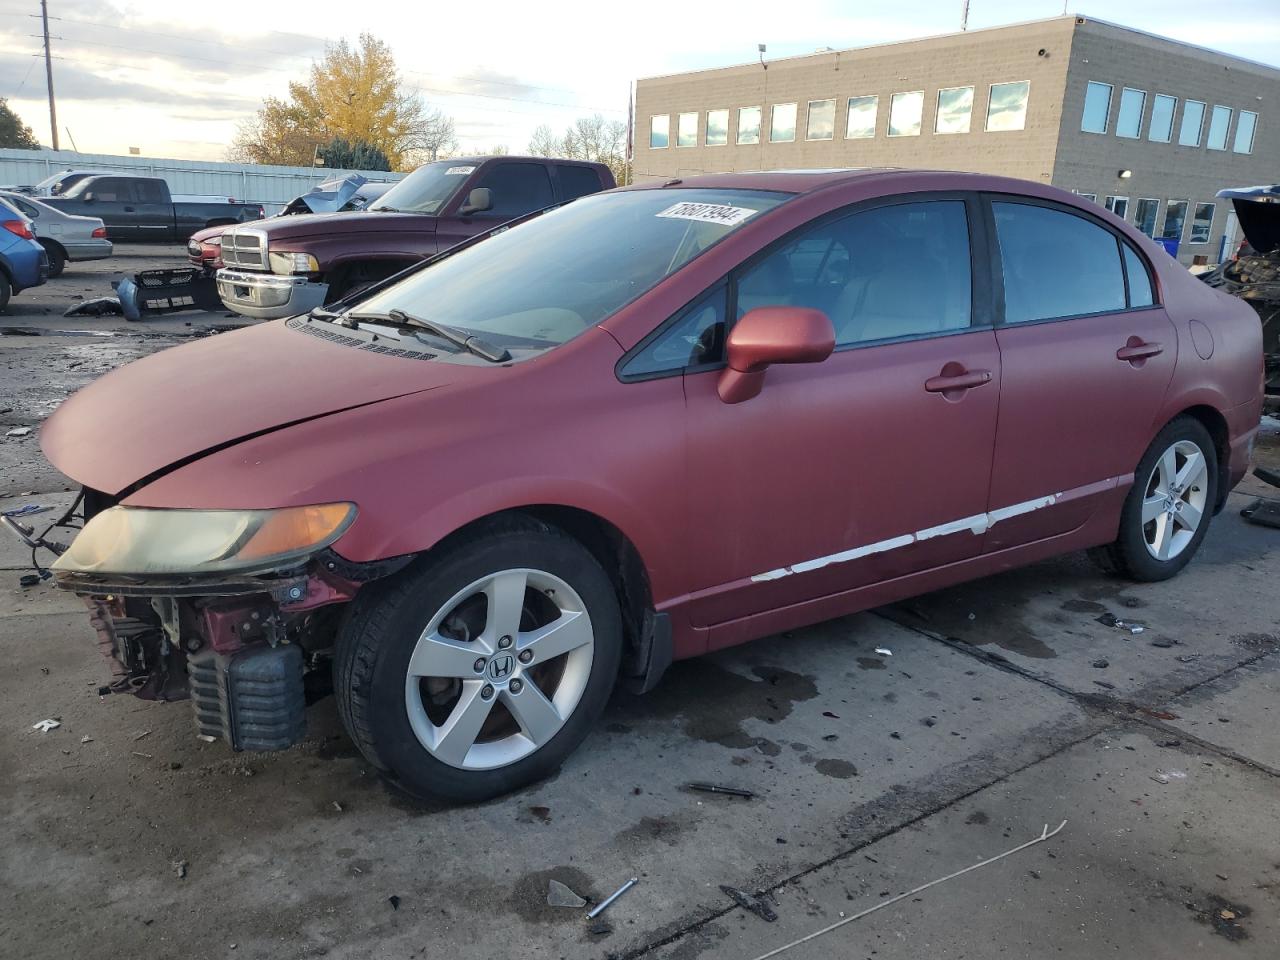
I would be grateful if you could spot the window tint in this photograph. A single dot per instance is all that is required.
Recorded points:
(748, 124)
(577, 181)
(517, 189)
(1192, 121)
(861, 121)
(782, 128)
(1139, 279)
(1129, 118)
(822, 120)
(1162, 110)
(864, 272)
(1097, 107)
(694, 338)
(687, 130)
(954, 107)
(1201, 223)
(149, 191)
(1219, 123)
(1144, 217)
(1175, 215)
(1245, 128)
(659, 131)
(1007, 106)
(905, 111)
(717, 128)
(1056, 264)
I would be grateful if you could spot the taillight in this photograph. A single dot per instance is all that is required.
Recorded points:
(99, 233)
(20, 228)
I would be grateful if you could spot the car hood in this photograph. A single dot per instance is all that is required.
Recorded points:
(331, 224)
(172, 407)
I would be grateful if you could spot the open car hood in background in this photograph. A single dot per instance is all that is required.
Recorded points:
(1258, 210)
(171, 407)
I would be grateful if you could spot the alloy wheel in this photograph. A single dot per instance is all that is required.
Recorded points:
(499, 669)
(1175, 500)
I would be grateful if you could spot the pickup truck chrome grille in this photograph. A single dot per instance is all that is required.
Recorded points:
(245, 249)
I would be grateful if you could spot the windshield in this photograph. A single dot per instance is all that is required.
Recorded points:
(425, 190)
(547, 280)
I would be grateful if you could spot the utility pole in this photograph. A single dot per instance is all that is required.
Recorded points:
(48, 72)
(964, 16)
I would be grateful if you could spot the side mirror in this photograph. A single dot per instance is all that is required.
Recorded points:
(88, 196)
(770, 335)
(478, 200)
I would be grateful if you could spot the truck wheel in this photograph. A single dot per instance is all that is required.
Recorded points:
(481, 667)
(1167, 512)
(57, 259)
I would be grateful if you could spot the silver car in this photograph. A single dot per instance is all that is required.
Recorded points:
(63, 236)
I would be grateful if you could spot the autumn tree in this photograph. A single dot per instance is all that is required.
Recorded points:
(587, 138)
(13, 132)
(341, 154)
(356, 94)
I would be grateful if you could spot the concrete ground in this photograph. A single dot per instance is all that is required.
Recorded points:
(1004, 704)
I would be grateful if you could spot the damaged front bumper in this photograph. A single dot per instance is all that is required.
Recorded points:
(269, 296)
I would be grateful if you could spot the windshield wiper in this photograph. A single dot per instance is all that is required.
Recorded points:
(472, 344)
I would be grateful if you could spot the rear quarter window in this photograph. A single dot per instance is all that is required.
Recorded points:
(578, 182)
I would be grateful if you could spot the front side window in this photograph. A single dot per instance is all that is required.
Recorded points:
(748, 124)
(1219, 124)
(860, 124)
(1007, 106)
(1144, 217)
(717, 128)
(863, 271)
(660, 131)
(954, 107)
(1056, 264)
(695, 337)
(1192, 122)
(822, 120)
(515, 189)
(1245, 129)
(545, 281)
(687, 130)
(1175, 216)
(1129, 118)
(1163, 108)
(782, 125)
(905, 112)
(1118, 205)
(1201, 223)
(1097, 107)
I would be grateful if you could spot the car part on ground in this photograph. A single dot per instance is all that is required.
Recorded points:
(1264, 511)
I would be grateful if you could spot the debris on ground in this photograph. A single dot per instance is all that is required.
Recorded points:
(86, 739)
(95, 307)
(1168, 743)
(717, 788)
(608, 901)
(337, 806)
(542, 813)
(206, 738)
(600, 929)
(1163, 643)
(180, 869)
(44, 726)
(757, 905)
(559, 895)
(1101, 663)
(394, 901)
(1164, 776)
(884, 651)
(1107, 620)
(144, 756)
(18, 432)
(144, 733)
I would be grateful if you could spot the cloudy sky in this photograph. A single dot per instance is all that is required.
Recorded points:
(173, 78)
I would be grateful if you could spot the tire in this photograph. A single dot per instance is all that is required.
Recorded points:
(439, 735)
(57, 259)
(1165, 543)
(6, 291)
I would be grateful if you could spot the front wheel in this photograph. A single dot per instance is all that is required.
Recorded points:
(478, 670)
(1167, 512)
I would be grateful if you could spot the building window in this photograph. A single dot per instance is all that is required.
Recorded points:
(1118, 205)
(659, 131)
(1245, 128)
(782, 124)
(748, 124)
(905, 111)
(861, 121)
(954, 106)
(1097, 107)
(822, 120)
(687, 130)
(1129, 117)
(1091, 197)
(1201, 223)
(1144, 217)
(1007, 105)
(1192, 121)
(717, 128)
(1219, 124)
(1163, 108)
(1175, 217)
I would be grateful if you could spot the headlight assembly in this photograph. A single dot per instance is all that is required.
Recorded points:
(144, 541)
(288, 263)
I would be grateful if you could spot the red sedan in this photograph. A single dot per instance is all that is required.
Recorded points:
(655, 422)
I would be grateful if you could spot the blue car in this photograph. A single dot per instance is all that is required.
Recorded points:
(23, 262)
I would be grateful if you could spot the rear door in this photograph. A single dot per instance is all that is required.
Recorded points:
(1086, 358)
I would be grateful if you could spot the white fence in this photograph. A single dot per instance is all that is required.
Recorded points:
(251, 183)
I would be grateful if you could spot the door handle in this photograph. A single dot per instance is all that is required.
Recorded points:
(1137, 350)
(946, 383)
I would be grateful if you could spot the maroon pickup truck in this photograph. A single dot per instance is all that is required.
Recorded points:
(286, 266)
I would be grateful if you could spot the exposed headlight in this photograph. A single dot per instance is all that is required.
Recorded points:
(293, 263)
(145, 541)
(193, 248)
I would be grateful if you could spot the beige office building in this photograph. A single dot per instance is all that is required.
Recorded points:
(1150, 127)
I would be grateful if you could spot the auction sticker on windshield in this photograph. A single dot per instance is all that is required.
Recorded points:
(720, 213)
(459, 171)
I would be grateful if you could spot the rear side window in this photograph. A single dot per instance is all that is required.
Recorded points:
(1056, 264)
(150, 191)
(517, 189)
(1140, 294)
(577, 182)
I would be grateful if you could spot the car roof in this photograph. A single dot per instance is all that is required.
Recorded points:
(809, 180)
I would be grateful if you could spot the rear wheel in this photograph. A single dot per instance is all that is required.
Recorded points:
(1167, 512)
(57, 259)
(6, 291)
(479, 670)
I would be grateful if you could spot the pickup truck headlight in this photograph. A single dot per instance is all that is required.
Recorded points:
(145, 541)
(293, 263)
